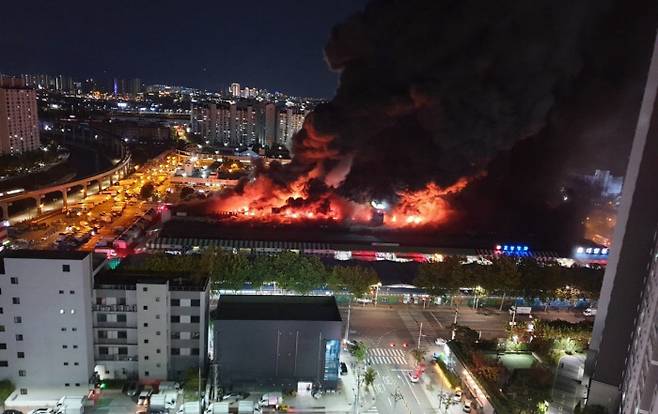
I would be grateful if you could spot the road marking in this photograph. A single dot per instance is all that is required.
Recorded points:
(437, 321)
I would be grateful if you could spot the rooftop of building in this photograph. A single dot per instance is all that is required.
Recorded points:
(44, 254)
(285, 308)
(125, 279)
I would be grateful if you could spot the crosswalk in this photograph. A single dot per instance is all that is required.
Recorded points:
(372, 410)
(387, 356)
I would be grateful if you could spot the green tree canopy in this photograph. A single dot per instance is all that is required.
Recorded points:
(355, 279)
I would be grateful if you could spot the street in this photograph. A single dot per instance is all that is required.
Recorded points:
(392, 331)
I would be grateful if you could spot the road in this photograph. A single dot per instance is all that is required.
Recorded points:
(391, 331)
(56, 222)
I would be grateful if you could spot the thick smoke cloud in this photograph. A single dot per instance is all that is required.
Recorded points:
(432, 90)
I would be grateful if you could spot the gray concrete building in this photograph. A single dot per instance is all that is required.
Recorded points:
(622, 362)
(149, 327)
(290, 342)
(45, 319)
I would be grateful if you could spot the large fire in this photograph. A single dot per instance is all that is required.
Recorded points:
(263, 200)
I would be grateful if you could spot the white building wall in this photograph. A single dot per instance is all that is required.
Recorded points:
(153, 330)
(46, 316)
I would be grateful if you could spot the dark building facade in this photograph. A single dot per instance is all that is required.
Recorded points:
(276, 341)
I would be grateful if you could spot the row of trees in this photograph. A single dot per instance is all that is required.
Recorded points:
(505, 275)
(288, 270)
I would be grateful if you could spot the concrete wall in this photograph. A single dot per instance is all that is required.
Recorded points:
(153, 330)
(56, 325)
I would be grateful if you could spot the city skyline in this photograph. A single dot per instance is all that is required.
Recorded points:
(289, 43)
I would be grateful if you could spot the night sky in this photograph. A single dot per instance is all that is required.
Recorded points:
(277, 45)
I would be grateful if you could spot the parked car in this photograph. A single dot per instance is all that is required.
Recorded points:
(132, 389)
(440, 341)
(589, 312)
(41, 411)
(343, 368)
(467, 406)
(457, 396)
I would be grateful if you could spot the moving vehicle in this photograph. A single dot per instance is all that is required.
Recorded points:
(364, 301)
(520, 310)
(589, 312)
(413, 376)
(440, 341)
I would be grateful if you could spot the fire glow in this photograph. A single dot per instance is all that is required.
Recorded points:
(263, 201)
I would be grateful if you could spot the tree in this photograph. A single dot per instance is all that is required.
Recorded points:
(356, 279)
(369, 377)
(439, 278)
(418, 355)
(298, 273)
(503, 274)
(146, 191)
(359, 351)
(528, 388)
(229, 271)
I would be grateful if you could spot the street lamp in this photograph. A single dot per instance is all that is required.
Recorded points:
(377, 286)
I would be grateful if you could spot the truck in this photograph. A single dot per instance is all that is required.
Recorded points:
(189, 408)
(245, 407)
(158, 402)
(71, 405)
(218, 408)
(271, 400)
(520, 310)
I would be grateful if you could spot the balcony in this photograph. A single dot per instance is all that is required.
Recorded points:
(115, 357)
(114, 341)
(116, 325)
(114, 308)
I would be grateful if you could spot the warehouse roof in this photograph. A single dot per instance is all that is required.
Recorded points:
(287, 308)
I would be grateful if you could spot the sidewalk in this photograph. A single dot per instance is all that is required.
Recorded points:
(341, 401)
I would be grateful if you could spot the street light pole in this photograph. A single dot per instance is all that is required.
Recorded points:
(347, 325)
(420, 333)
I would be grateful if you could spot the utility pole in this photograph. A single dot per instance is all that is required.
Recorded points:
(200, 405)
(420, 333)
(347, 325)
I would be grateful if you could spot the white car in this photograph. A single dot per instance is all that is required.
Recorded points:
(467, 406)
(364, 301)
(589, 312)
(413, 377)
(457, 396)
(41, 411)
(440, 341)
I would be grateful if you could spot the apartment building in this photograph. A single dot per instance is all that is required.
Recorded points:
(149, 326)
(45, 320)
(622, 363)
(19, 124)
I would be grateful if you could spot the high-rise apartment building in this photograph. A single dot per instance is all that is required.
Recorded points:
(19, 123)
(235, 90)
(243, 124)
(45, 318)
(149, 326)
(622, 363)
(266, 124)
(135, 87)
(290, 121)
(213, 122)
